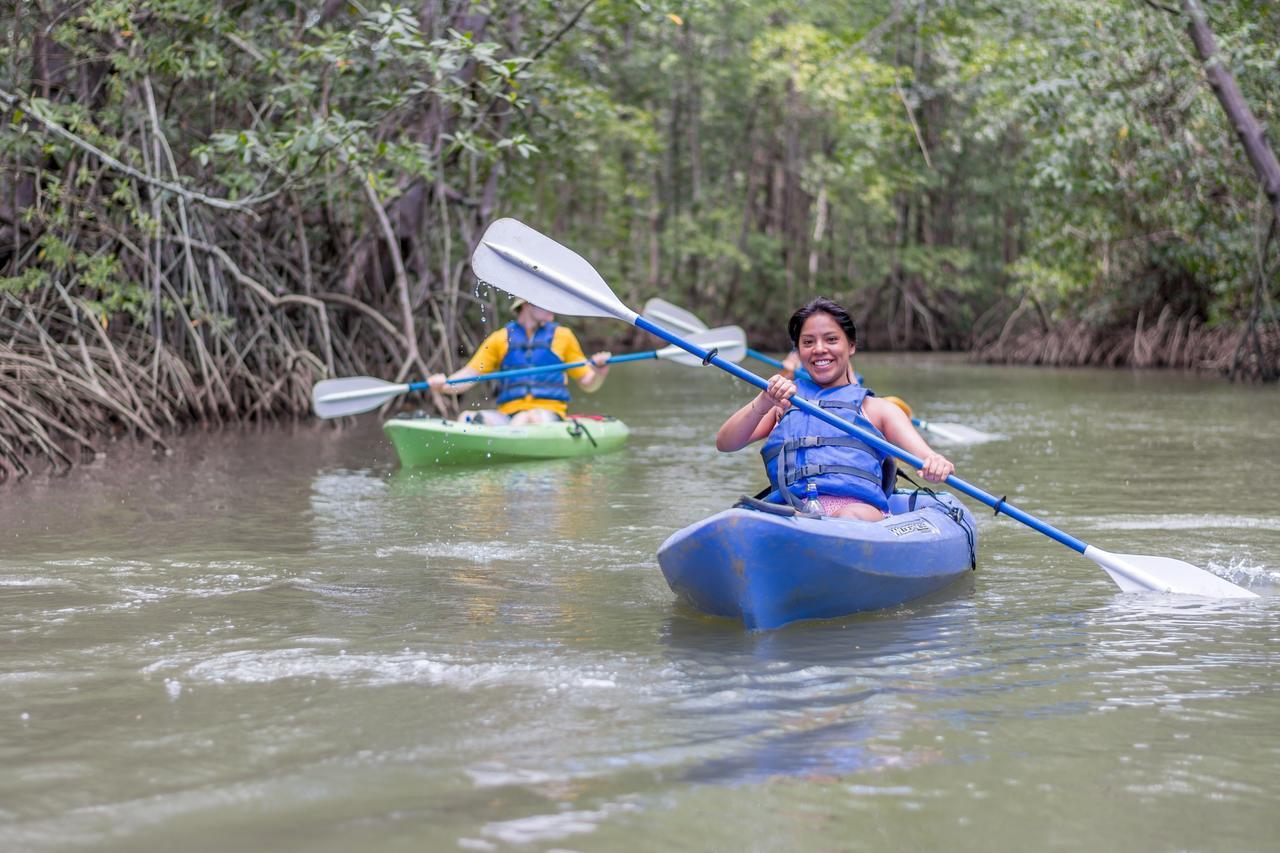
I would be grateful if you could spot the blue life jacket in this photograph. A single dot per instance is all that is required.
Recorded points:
(523, 351)
(803, 448)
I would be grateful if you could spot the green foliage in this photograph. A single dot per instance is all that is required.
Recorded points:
(99, 279)
(967, 152)
(29, 280)
(947, 158)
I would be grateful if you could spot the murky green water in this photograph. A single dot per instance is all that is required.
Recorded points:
(278, 640)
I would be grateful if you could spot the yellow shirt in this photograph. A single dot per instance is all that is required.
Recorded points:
(494, 349)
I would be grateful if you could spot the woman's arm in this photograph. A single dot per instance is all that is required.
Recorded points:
(487, 359)
(898, 429)
(790, 364)
(758, 418)
(596, 373)
(437, 380)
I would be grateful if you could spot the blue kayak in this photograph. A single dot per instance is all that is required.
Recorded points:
(766, 565)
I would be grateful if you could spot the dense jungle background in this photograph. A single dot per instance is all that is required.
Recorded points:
(207, 206)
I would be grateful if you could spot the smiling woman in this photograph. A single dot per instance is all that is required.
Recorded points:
(811, 461)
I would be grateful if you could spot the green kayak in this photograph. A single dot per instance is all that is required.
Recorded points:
(436, 441)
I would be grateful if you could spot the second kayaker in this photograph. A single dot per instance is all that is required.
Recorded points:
(532, 339)
(811, 464)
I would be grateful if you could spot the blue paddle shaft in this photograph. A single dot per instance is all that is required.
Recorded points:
(773, 362)
(999, 504)
(529, 371)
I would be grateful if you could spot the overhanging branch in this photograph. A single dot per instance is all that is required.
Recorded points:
(16, 102)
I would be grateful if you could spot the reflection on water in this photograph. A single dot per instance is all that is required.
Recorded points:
(279, 638)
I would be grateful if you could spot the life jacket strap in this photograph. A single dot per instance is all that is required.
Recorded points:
(793, 444)
(804, 472)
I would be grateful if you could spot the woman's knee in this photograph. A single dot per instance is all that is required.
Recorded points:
(484, 417)
(860, 511)
(534, 416)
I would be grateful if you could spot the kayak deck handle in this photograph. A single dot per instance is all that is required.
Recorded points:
(578, 431)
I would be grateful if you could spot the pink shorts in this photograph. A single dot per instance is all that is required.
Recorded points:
(831, 504)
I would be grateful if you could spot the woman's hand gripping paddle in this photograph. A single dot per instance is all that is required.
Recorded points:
(337, 398)
(677, 319)
(514, 257)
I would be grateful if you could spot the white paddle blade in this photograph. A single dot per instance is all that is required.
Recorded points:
(671, 317)
(729, 341)
(1141, 573)
(338, 398)
(958, 433)
(532, 266)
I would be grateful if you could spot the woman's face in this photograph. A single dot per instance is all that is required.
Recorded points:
(533, 315)
(824, 350)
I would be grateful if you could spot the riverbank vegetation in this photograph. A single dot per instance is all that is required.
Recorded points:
(205, 207)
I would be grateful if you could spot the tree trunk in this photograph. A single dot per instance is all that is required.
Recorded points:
(1251, 132)
(819, 231)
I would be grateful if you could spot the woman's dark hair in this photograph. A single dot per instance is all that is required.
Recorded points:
(826, 306)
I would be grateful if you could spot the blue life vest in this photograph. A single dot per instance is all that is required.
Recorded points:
(523, 351)
(803, 448)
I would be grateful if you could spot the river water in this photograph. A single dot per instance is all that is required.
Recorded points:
(279, 640)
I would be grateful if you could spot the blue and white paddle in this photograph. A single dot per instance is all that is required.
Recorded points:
(525, 263)
(338, 398)
(678, 319)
